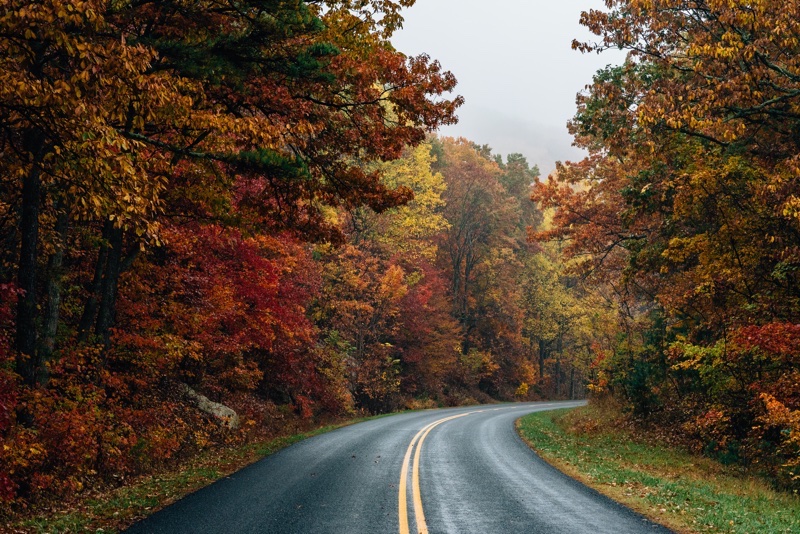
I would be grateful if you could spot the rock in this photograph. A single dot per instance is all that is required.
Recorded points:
(224, 415)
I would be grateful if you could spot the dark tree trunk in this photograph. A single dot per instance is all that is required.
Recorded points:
(90, 308)
(27, 358)
(108, 290)
(101, 304)
(558, 377)
(52, 312)
(542, 356)
(572, 383)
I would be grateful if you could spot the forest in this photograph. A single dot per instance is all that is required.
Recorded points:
(245, 205)
(686, 216)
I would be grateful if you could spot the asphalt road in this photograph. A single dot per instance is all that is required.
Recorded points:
(466, 470)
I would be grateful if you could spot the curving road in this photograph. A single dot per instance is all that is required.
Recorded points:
(458, 470)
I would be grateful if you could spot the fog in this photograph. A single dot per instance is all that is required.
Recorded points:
(515, 67)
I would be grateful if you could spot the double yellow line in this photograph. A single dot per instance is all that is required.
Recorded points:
(419, 514)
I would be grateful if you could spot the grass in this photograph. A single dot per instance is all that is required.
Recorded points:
(685, 492)
(118, 509)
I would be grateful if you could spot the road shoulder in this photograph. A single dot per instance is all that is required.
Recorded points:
(684, 492)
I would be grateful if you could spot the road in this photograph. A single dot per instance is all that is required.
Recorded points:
(458, 470)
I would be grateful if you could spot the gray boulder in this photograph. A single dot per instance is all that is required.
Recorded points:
(223, 414)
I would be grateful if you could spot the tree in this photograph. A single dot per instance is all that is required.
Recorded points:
(146, 147)
(475, 213)
(253, 95)
(483, 253)
(360, 303)
(429, 339)
(685, 209)
(408, 230)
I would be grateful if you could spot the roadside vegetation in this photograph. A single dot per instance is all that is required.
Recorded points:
(685, 217)
(113, 510)
(684, 491)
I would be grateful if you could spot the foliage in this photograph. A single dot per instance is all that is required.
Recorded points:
(165, 165)
(682, 216)
(408, 230)
(360, 303)
(430, 339)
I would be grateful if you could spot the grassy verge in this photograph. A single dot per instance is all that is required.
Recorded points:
(684, 492)
(117, 509)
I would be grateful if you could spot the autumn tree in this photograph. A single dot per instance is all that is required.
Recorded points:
(518, 178)
(686, 209)
(483, 253)
(360, 304)
(429, 340)
(419, 343)
(260, 98)
(474, 213)
(147, 147)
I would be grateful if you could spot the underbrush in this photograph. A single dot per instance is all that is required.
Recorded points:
(110, 509)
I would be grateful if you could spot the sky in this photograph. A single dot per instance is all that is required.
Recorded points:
(515, 67)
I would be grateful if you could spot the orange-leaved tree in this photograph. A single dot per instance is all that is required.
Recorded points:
(146, 147)
(686, 209)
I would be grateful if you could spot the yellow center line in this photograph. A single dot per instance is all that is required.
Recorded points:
(422, 527)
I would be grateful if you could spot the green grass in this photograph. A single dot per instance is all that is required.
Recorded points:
(685, 492)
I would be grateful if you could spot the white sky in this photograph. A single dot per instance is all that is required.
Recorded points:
(515, 67)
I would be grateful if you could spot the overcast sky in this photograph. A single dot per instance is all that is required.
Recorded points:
(515, 67)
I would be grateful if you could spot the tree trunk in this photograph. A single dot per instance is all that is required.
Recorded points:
(542, 356)
(108, 291)
(572, 383)
(54, 274)
(101, 304)
(559, 370)
(558, 376)
(27, 361)
(469, 264)
(90, 308)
